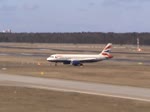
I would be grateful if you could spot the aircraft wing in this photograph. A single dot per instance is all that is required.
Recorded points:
(83, 60)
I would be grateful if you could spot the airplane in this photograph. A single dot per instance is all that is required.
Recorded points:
(79, 59)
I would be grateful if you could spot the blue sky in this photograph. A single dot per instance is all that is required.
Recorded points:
(75, 15)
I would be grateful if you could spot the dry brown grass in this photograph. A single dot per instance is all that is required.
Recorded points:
(16, 99)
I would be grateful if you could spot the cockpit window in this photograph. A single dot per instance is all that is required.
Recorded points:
(52, 56)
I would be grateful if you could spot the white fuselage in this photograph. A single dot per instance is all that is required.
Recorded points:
(81, 57)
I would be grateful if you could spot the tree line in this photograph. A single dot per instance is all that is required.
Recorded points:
(82, 38)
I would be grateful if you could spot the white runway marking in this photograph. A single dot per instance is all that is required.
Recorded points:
(91, 93)
(124, 92)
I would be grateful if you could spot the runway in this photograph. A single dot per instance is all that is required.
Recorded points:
(125, 92)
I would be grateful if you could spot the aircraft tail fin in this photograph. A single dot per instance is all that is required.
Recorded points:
(106, 51)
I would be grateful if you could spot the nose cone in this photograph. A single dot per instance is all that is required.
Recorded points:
(48, 59)
(51, 59)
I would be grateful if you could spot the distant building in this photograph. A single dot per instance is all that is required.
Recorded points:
(7, 31)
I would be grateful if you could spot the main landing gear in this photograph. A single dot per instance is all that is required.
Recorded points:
(55, 63)
(81, 65)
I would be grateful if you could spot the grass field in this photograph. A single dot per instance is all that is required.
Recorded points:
(15, 99)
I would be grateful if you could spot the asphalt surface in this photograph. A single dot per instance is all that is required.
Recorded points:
(125, 92)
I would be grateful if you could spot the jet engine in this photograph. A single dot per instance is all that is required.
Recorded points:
(76, 63)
